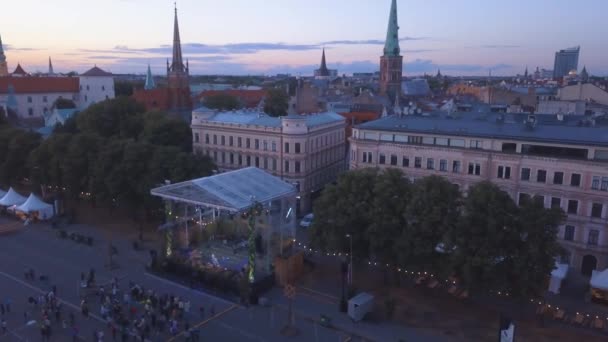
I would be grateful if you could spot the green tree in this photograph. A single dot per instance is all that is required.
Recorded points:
(534, 260)
(222, 101)
(116, 117)
(276, 102)
(160, 129)
(125, 88)
(345, 208)
(15, 147)
(433, 211)
(485, 237)
(392, 195)
(62, 103)
(78, 162)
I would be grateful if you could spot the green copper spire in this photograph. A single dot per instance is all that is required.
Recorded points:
(2, 56)
(149, 80)
(391, 46)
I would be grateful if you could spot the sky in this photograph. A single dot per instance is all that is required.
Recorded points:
(255, 37)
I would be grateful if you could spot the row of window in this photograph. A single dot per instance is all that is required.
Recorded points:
(455, 167)
(420, 140)
(264, 144)
(597, 209)
(103, 87)
(592, 237)
(558, 177)
(240, 160)
(503, 172)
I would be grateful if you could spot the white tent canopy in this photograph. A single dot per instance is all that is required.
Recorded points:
(2, 193)
(34, 204)
(599, 280)
(12, 198)
(557, 275)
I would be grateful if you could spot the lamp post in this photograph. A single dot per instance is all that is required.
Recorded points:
(350, 275)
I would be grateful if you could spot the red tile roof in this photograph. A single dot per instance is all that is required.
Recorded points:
(40, 84)
(95, 71)
(19, 70)
(249, 98)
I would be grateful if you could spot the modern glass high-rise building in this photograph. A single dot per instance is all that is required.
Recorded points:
(565, 61)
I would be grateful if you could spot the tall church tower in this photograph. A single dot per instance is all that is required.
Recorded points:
(3, 66)
(391, 63)
(177, 76)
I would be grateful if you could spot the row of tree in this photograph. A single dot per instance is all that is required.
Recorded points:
(483, 238)
(113, 153)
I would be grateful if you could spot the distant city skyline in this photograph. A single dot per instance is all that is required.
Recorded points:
(286, 36)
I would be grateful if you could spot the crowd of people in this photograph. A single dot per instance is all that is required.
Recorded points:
(130, 314)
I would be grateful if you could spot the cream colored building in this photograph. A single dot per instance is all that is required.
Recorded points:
(584, 92)
(562, 161)
(305, 150)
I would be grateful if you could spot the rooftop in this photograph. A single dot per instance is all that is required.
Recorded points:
(572, 130)
(255, 118)
(96, 71)
(234, 190)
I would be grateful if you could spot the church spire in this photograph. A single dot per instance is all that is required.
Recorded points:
(149, 80)
(177, 62)
(2, 56)
(51, 72)
(391, 46)
(3, 66)
(323, 71)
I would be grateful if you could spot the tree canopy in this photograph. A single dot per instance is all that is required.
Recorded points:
(485, 239)
(222, 101)
(276, 102)
(62, 103)
(113, 150)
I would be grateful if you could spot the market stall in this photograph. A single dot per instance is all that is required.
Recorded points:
(36, 208)
(599, 286)
(12, 198)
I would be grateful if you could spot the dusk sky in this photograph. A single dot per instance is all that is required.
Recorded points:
(465, 37)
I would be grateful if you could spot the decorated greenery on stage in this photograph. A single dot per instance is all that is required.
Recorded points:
(252, 214)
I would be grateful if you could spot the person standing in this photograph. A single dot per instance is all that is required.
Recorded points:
(7, 305)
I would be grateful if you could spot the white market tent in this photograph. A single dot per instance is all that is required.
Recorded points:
(599, 280)
(2, 193)
(557, 275)
(34, 204)
(233, 191)
(12, 198)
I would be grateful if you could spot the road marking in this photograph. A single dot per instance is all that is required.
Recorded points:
(217, 315)
(166, 281)
(63, 301)
(319, 293)
(318, 298)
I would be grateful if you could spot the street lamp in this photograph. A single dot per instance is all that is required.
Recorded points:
(350, 275)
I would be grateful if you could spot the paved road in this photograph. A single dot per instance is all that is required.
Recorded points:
(63, 260)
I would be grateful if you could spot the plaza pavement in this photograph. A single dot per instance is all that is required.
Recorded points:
(37, 246)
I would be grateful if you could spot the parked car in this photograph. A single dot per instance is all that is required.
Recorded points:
(307, 220)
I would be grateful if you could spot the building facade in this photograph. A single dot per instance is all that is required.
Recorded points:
(32, 97)
(565, 61)
(391, 62)
(305, 150)
(562, 161)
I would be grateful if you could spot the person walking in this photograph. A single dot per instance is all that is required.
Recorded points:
(7, 305)
(3, 326)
